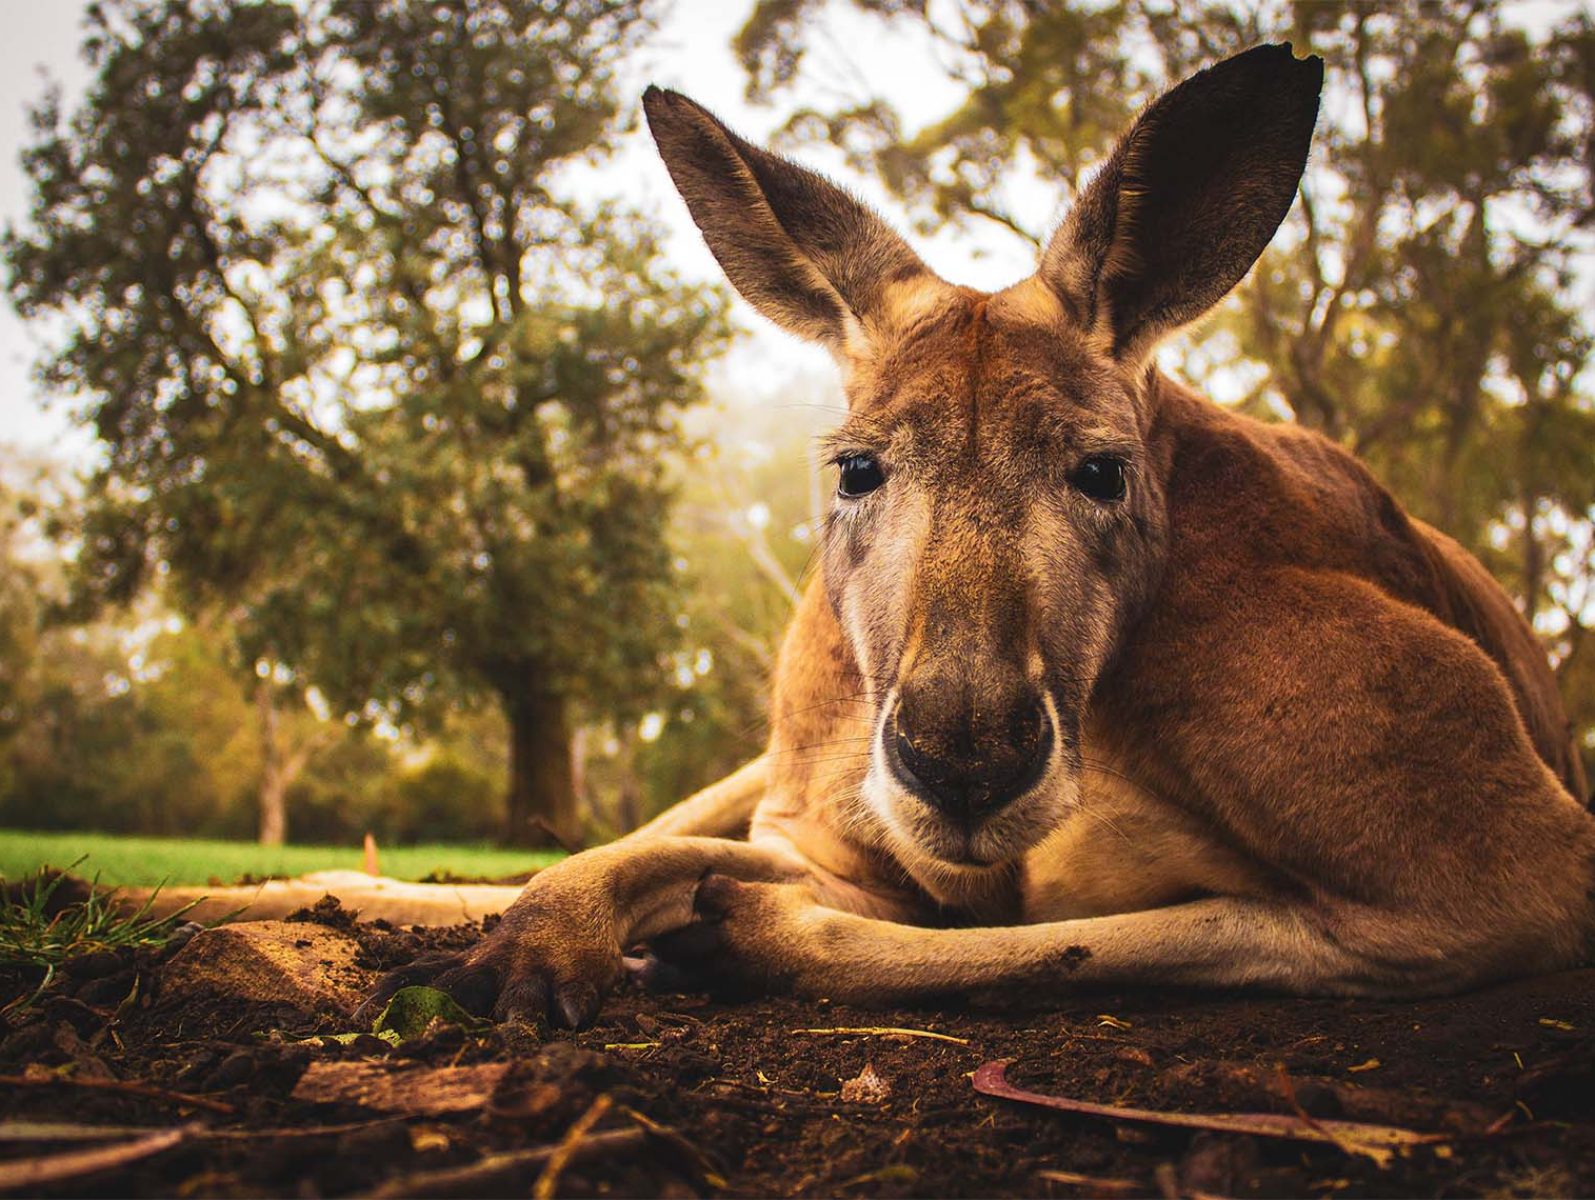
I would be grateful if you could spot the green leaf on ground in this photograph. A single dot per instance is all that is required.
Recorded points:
(409, 1014)
(413, 1009)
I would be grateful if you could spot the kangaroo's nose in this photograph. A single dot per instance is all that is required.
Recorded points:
(968, 754)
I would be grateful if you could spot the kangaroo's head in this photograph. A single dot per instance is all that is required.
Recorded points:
(998, 522)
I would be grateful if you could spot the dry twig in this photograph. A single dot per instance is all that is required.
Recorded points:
(1096, 1185)
(500, 1172)
(1378, 1142)
(888, 1031)
(543, 1189)
(127, 1087)
(30, 1174)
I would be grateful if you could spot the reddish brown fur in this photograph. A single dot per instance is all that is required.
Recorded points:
(1246, 723)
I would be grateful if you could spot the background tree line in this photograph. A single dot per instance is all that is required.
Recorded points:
(407, 515)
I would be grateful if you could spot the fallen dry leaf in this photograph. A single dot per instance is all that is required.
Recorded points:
(1378, 1142)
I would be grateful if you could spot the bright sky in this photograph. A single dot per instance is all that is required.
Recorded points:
(691, 53)
(39, 36)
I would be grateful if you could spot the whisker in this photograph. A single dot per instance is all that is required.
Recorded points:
(1104, 768)
(852, 758)
(1103, 819)
(843, 741)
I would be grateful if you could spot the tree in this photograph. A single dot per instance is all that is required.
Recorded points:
(131, 727)
(1423, 305)
(369, 380)
(19, 626)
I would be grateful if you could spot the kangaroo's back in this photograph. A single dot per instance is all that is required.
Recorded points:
(1469, 599)
(1244, 492)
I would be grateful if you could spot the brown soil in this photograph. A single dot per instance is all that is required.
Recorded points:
(706, 1098)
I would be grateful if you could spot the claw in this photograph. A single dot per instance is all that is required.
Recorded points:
(654, 974)
(578, 1004)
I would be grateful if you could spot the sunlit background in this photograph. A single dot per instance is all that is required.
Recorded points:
(381, 453)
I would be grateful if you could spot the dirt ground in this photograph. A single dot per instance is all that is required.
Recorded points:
(677, 1095)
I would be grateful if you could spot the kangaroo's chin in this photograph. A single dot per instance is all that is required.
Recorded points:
(990, 841)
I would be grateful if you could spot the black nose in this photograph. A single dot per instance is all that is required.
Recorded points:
(968, 759)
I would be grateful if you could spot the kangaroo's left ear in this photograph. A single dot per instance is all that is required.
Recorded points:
(799, 249)
(1188, 200)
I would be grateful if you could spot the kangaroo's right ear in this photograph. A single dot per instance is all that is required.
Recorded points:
(1187, 201)
(799, 249)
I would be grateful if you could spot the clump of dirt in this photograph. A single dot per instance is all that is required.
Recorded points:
(328, 911)
(677, 1095)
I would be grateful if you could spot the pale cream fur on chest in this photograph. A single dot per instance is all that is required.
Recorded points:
(1124, 850)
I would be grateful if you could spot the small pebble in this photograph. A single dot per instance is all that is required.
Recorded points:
(368, 1043)
(235, 1069)
(182, 935)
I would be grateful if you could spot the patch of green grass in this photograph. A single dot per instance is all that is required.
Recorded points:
(36, 935)
(145, 862)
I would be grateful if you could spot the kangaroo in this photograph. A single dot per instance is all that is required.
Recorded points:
(1098, 682)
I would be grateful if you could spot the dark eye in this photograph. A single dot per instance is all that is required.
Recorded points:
(1100, 477)
(861, 473)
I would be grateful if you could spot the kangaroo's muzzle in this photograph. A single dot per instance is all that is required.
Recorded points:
(967, 754)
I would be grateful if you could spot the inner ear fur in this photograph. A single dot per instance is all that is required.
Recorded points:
(1189, 198)
(799, 249)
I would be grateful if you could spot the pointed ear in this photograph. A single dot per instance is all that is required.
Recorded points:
(799, 249)
(1188, 199)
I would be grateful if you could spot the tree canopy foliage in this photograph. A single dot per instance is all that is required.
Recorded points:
(1425, 304)
(369, 381)
(395, 409)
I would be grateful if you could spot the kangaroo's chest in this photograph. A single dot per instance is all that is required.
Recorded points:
(1124, 849)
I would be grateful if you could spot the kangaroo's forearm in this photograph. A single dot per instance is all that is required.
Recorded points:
(1216, 942)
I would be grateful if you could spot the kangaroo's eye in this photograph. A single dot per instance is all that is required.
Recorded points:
(861, 473)
(1101, 477)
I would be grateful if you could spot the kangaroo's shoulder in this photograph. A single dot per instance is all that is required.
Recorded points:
(1243, 492)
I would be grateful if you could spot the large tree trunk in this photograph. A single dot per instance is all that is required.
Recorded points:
(542, 798)
(280, 767)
